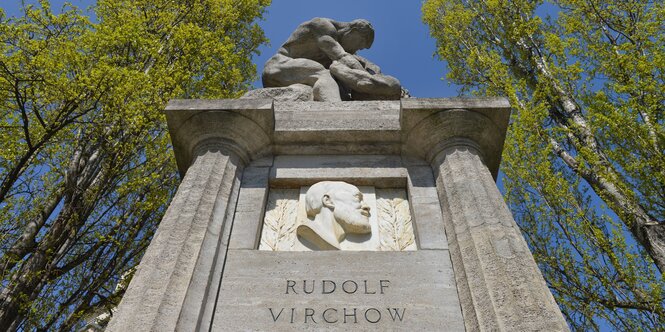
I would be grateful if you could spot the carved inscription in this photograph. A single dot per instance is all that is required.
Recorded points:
(336, 315)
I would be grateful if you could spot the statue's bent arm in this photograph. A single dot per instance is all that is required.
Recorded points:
(336, 52)
(331, 47)
(371, 67)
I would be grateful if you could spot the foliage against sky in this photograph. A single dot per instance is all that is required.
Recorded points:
(603, 276)
(584, 159)
(86, 168)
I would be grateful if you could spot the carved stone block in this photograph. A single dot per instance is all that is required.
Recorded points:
(285, 225)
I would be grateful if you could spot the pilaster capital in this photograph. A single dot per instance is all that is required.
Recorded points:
(243, 127)
(432, 125)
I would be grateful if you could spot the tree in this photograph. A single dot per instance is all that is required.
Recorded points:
(86, 169)
(584, 162)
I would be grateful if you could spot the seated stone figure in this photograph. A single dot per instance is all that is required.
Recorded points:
(334, 209)
(321, 53)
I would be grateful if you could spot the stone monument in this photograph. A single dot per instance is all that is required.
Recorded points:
(335, 205)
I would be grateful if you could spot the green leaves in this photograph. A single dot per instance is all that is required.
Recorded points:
(584, 157)
(86, 168)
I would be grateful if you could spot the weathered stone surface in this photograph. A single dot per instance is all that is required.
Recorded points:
(419, 282)
(198, 307)
(369, 127)
(499, 284)
(171, 285)
(250, 208)
(365, 170)
(336, 116)
(223, 123)
(321, 53)
(383, 143)
(294, 92)
(426, 209)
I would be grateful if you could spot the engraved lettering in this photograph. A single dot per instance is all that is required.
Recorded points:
(355, 287)
(366, 288)
(328, 282)
(274, 319)
(330, 315)
(394, 313)
(355, 319)
(304, 287)
(377, 315)
(326, 319)
(309, 312)
(291, 284)
(382, 286)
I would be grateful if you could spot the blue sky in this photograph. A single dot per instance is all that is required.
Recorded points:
(402, 46)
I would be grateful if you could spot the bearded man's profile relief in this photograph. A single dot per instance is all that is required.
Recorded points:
(334, 209)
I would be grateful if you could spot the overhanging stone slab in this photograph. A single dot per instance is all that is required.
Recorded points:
(495, 108)
(430, 125)
(357, 127)
(195, 122)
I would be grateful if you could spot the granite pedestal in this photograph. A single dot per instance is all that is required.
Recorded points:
(470, 268)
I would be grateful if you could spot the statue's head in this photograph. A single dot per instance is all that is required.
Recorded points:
(358, 35)
(342, 201)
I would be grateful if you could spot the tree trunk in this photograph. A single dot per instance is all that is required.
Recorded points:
(31, 277)
(647, 231)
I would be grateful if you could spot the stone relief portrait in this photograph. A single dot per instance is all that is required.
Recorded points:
(334, 209)
(335, 215)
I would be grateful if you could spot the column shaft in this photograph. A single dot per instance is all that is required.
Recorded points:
(172, 282)
(499, 283)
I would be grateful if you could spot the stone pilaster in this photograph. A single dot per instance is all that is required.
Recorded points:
(183, 250)
(499, 284)
(176, 284)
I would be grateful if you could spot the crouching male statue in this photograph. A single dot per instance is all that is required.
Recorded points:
(334, 209)
(321, 52)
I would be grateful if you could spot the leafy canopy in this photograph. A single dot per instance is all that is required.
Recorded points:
(584, 162)
(86, 171)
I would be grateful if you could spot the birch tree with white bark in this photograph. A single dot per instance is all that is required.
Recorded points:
(584, 160)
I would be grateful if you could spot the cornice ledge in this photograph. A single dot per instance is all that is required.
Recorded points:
(223, 124)
(432, 125)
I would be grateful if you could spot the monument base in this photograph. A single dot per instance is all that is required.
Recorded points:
(339, 291)
(470, 269)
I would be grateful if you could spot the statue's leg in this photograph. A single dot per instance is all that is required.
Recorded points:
(362, 81)
(325, 88)
(281, 71)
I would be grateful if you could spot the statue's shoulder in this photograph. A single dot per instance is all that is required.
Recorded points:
(320, 24)
(320, 21)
